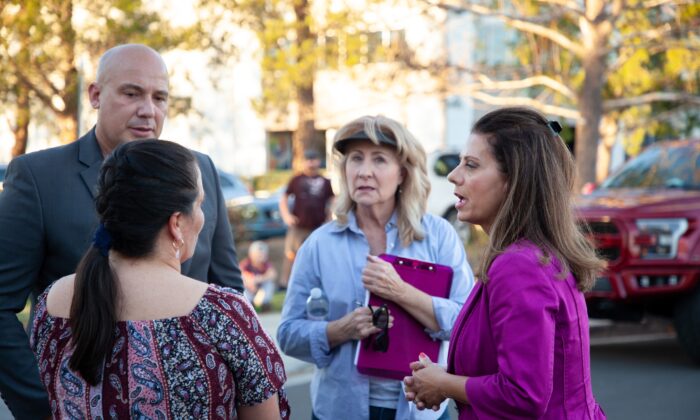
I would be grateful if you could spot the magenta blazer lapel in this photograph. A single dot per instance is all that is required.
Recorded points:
(459, 323)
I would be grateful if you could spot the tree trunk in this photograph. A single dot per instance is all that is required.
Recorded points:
(305, 135)
(68, 119)
(590, 98)
(22, 117)
(587, 128)
(68, 127)
(608, 135)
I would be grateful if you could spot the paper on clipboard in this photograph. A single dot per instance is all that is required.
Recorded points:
(407, 337)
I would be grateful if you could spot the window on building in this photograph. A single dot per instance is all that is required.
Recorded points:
(279, 147)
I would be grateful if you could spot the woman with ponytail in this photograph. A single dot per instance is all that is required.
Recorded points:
(128, 335)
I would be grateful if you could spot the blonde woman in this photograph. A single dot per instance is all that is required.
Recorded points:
(380, 209)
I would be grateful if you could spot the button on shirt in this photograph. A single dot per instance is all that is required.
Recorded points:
(332, 259)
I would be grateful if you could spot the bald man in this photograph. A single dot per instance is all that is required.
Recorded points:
(47, 213)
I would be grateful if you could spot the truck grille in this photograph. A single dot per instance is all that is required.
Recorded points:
(607, 239)
(603, 228)
(609, 254)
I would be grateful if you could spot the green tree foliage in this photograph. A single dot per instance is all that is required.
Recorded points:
(602, 64)
(668, 64)
(41, 43)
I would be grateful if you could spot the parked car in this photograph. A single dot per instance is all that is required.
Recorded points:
(645, 220)
(3, 169)
(257, 219)
(235, 191)
(441, 200)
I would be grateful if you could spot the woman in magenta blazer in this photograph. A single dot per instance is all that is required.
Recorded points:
(520, 346)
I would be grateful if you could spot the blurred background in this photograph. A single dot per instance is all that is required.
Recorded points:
(254, 82)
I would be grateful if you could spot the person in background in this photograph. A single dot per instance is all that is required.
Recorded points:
(312, 194)
(520, 348)
(47, 211)
(259, 275)
(128, 335)
(381, 208)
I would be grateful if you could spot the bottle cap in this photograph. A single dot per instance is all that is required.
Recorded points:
(316, 293)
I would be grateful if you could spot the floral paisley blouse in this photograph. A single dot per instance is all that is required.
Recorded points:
(201, 365)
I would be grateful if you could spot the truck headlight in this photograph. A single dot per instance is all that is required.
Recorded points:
(657, 238)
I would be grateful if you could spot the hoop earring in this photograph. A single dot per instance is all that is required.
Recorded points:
(177, 244)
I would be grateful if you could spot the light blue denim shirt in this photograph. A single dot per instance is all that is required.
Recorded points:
(332, 258)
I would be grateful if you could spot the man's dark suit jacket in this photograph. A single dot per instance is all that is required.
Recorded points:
(47, 220)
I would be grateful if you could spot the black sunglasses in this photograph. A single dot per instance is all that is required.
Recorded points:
(380, 319)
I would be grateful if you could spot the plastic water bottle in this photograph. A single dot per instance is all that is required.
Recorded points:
(316, 305)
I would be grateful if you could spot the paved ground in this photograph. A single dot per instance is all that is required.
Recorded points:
(645, 380)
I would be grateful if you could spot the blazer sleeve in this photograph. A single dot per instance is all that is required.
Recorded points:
(21, 255)
(522, 309)
(223, 268)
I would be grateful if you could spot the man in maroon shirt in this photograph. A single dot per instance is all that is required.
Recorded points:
(312, 196)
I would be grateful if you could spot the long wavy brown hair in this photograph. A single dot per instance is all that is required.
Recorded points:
(538, 206)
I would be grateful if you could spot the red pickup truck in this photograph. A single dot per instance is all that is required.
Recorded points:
(645, 220)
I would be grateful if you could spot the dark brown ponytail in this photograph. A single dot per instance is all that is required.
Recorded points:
(141, 184)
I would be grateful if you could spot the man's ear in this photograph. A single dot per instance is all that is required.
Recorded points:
(94, 95)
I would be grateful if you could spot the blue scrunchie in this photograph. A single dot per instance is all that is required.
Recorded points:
(102, 240)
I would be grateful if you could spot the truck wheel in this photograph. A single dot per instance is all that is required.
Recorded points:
(687, 323)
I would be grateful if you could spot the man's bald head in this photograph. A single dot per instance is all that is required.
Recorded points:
(130, 95)
(115, 57)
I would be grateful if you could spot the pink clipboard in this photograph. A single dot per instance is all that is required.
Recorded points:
(407, 337)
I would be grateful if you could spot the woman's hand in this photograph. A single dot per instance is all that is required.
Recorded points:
(423, 388)
(355, 325)
(381, 279)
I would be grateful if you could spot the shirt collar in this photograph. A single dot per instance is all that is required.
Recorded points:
(352, 223)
